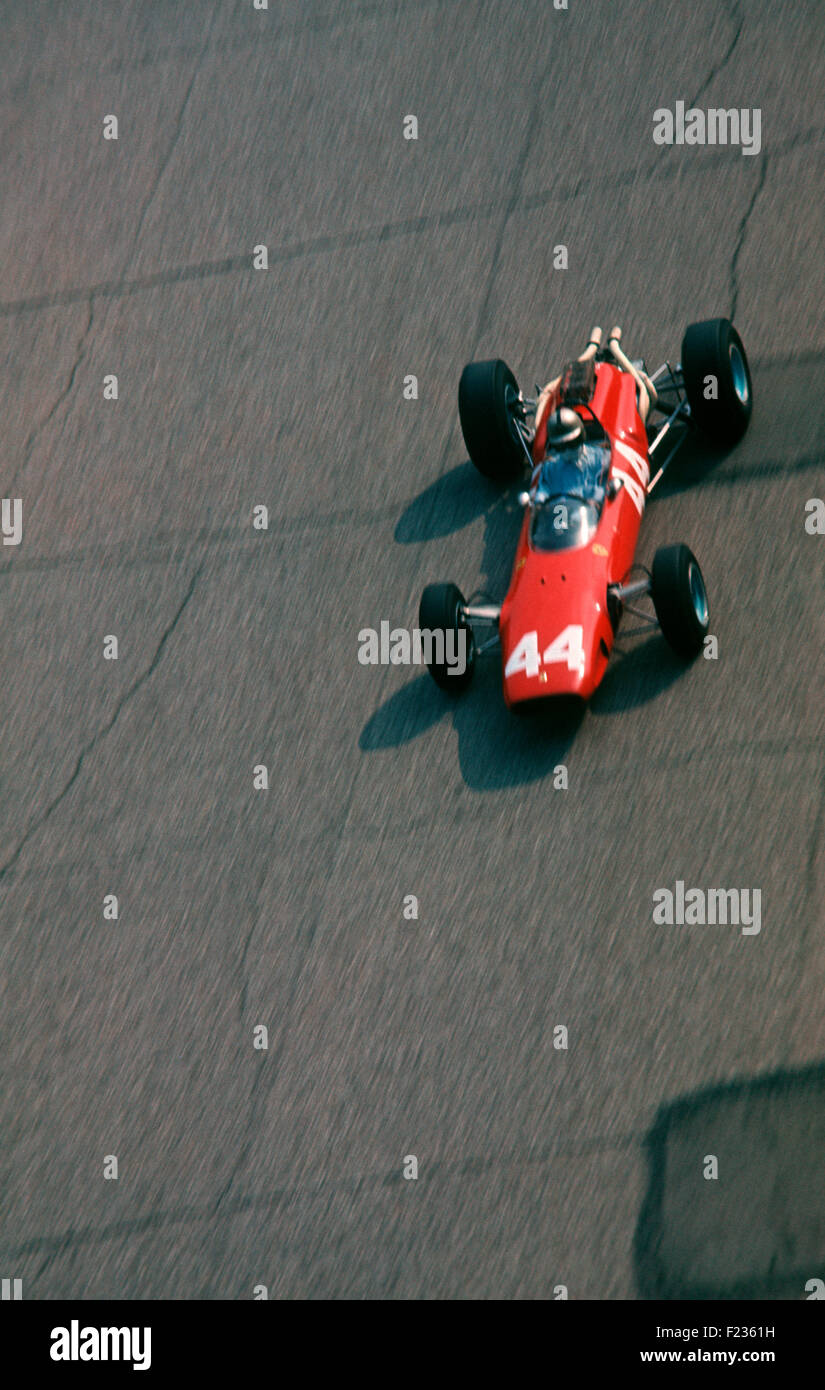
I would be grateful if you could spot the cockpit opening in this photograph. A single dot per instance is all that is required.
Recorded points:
(569, 495)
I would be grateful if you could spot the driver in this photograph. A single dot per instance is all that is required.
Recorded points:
(565, 429)
(564, 455)
(571, 466)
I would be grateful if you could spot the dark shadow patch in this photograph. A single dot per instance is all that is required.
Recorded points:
(637, 672)
(447, 505)
(693, 465)
(758, 1231)
(408, 713)
(496, 748)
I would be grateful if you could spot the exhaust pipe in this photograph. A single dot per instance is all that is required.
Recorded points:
(647, 391)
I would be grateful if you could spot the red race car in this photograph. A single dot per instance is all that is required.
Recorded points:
(589, 444)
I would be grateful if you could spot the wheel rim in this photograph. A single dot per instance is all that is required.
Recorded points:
(739, 374)
(698, 594)
(470, 647)
(511, 405)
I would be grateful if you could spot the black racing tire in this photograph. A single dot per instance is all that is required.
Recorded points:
(680, 599)
(713, 348)
(486, 423)
(438, 611)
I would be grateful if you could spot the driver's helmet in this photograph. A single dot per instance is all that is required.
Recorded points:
(564, 428)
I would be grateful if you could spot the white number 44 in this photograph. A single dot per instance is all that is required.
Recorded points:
(567, 647)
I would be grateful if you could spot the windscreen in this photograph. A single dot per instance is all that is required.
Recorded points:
(569, 496)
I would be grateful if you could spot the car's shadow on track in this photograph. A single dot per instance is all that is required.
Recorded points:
(757, 1230)
(693, 465)
(495, 748)
(453, 502)
(447, 505)
(640, 669)
(499, 748)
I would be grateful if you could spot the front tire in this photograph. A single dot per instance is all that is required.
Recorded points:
(487, 392)
(438, 613)
(680, 599)
(713, 349)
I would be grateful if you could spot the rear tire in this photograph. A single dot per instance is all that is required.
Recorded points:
(680, 599)
(714, 349)
(487, 423)
(438, 611)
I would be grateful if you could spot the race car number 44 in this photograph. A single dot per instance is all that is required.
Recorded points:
(567, 647)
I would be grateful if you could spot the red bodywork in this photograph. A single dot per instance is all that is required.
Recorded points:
(561, 596)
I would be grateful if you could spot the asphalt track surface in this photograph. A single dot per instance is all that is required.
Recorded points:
(538, 1167)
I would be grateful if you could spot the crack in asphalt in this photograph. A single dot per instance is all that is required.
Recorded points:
(366, 828)
(472, 1166)
(388, 231)
(342, 17)
(63, 396)
(256, 919)
(165, 162)
(512, 203)
(100, 291)
(267, 1062)
(815, 843)
(88, 748)
(739, 20)
(740, 241)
